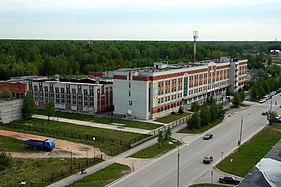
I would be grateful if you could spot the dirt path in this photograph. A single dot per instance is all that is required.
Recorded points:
(61, 150)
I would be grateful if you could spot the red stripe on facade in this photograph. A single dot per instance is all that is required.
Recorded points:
(122, 77)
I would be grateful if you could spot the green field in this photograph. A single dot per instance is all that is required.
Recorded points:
(250, 153)
(156, 150)
(38, 170)
(104, 120)
(109, 141)
(202, 129)
(103, 177)
(9, 144)
(172, 117)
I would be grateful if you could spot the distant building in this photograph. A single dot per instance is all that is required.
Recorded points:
(98, 74)
(10, 110)
(275, 54)
(83, 96)
(17, 88)
(151, 92)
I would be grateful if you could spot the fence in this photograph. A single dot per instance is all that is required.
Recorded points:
(64, 172)
(169, 125)
(120, 145)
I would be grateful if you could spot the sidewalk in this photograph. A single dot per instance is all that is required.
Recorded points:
(91, 124)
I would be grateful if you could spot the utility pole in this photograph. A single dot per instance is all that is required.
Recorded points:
(178, 171)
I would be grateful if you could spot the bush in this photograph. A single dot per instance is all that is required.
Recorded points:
(173, 113)
(5, 160)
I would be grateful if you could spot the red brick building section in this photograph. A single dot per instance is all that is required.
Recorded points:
(18, 89)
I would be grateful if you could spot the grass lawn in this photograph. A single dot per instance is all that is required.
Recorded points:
(9, 144)
(106, 145)
(245, 158)
(104, 120)
(172, 117)
(207, 185)
(155, 150)
(202, 129)
(103, 177)
(34, 169)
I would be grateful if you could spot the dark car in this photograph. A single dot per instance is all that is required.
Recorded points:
(229, 180)
(207, 159)
(264, 113)
(208, 136)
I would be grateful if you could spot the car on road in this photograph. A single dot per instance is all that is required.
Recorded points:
(208, 159)
(229, 180)
(264, 113)
(262, 100)
(208, 136)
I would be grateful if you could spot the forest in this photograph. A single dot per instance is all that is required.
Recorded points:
(49, 57)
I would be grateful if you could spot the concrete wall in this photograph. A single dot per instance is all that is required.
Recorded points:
(11, 110)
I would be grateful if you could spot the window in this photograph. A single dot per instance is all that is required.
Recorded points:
(85, 97)
(73, 96)
(46, 93)
(129, 93)
(51, 94)
(57, 95)
(62, 95)
(68, 97)
(91, 98)
(130, 103)
(129, 85)
(80, 97)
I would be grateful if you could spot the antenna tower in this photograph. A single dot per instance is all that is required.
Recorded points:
(195, 36)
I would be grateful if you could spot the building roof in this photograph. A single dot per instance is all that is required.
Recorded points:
(267, 172)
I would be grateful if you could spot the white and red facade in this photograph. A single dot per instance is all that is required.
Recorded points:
(74, 96)
(149, 93)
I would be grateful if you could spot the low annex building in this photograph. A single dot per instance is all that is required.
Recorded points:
(82, 96)
(151, 92)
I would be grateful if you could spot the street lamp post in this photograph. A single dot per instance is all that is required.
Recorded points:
(178, 166)
(70, 158)
(94, 139)
(241, 128)
(178, 171)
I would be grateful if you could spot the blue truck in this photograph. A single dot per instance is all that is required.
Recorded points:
(46, 145)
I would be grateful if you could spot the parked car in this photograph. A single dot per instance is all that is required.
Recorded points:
(229, 180)
(208, 159)
(264, 113)
(208, 136)
(262, 100)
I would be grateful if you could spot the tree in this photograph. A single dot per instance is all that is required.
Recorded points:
(195, 107)
(214, 110)
(28, 106)
(272, 117)
(205, 115)
(194, 122)
(160, 138)
(236, 100)
(167, 135)
(6, 93)
(181, 110)
(50, 108)
(220, 111)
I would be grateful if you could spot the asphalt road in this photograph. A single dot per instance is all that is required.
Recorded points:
(163, 171)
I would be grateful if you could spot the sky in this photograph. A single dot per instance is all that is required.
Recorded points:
(215, 20)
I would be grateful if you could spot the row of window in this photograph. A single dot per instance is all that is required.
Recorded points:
(60, 98)
(167, 107)
(169, 98)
